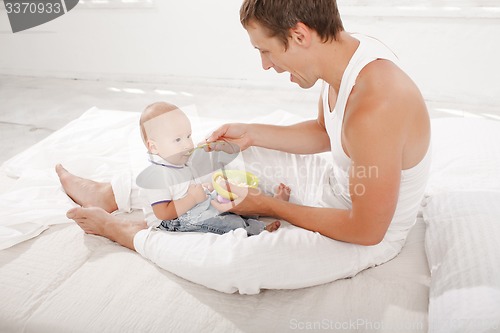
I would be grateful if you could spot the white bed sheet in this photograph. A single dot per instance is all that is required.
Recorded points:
(64, 280)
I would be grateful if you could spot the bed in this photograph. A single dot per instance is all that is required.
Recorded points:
(54, 278)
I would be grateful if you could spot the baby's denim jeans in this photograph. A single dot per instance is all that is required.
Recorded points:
(205, 218)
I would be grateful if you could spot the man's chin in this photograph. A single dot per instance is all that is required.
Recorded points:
(301, 83)
(305, 85)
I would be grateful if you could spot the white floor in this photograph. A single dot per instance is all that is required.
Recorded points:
(33, 108)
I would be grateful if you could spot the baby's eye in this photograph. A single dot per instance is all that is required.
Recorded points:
(178, 140)
(189, 136)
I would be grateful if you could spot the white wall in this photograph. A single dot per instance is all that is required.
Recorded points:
(451, 59)
(191, 38)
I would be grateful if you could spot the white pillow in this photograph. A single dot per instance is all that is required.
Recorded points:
(466, 155)
(462, 243)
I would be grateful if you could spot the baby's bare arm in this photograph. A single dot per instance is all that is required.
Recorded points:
(173, 209)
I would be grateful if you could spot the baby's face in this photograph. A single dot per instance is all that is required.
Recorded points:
(170, 137)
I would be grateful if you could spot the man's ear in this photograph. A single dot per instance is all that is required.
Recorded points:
(301, 34)
(152, 147)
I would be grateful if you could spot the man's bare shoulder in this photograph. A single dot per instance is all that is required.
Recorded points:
(385, 103)
(385, 88)
(381, 82)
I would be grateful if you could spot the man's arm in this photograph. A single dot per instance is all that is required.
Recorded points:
(376, 152)
(308, 137)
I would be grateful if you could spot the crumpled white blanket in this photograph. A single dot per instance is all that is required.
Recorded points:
(97, 145)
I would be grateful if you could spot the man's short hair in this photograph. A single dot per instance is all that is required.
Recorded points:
(279, 16)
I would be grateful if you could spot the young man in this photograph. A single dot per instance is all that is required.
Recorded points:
(371, 117)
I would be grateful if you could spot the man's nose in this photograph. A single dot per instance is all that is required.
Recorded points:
(266, 63)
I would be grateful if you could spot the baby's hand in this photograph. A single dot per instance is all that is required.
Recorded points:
(197, 192)
(208, 186)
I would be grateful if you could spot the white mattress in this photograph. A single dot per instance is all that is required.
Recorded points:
(64, 280)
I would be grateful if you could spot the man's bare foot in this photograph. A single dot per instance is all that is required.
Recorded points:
(86, 192)
(96, 221)
(282, 192)
(273, 226)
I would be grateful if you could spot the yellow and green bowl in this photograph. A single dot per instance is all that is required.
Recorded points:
(235, 177)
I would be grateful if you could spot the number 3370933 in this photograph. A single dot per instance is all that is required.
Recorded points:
(33, 8)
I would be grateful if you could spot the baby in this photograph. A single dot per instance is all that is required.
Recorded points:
(175, 201)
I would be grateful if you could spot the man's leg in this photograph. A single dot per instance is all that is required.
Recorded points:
(96, 221)
(98, 201)
(305, 175)
(234, 262)
(86, 192)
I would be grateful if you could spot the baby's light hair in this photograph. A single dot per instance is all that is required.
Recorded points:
(152, 111)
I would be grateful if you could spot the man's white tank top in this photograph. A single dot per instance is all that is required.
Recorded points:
(413, 180)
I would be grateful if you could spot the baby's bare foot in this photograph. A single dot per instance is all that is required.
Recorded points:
(86, 192)
(273, 226)
(282, 192)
